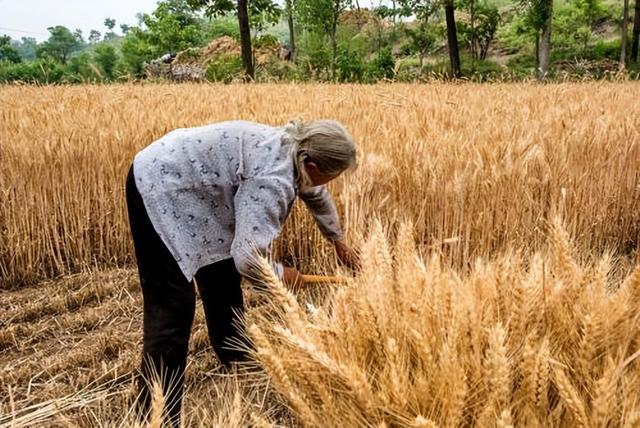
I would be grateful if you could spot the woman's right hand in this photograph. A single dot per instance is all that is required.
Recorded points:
(292, 277)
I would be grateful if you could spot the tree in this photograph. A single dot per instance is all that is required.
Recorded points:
(106, 57)
(26, 47)
(94, 36)
(590, 12)
(110, 23)
(125, 28)
(539, 16)
(289, 8)
(636, 33)
(452, 39)
(256, 13)
(7, 51)
(172, 27)
(60, 45)
(422, 40)
(484, 19)
(625, 34)
(136, 50)
(321, 16)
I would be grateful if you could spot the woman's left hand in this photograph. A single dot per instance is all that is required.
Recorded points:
(347, 256)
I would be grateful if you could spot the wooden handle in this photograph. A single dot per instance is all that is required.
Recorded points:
(321, 279)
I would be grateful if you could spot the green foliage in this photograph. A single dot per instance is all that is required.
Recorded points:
(383, 66)
(262, 13)
(604, 50)
(39, 71)
(320, 16)
(80, 69)
(421, 39)
(8, 53)
(110, 23)
(94, 36)
(106, 57)
(314, 56)
(350, 66)
(172, 27)
(224, 68)
(486, 21)
(222, 26)
(421, 9)
(60, 45)
(136, 50)
(516, 35)
(26, 47)
(277, 70)
(266, 40)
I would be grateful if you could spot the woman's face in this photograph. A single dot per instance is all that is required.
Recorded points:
(317, 177)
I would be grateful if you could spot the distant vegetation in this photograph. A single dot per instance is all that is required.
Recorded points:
(337, 40)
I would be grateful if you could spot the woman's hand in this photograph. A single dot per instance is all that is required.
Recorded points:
(347, 256)
(292, 277)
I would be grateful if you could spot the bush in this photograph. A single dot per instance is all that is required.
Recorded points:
(383, 66)
(266, 40)
(350, 66)
(277, 70)
(224, 68)
(224, 26)
(40, 71)
(314, 56)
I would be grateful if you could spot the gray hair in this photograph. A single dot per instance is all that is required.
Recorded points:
(324, 142)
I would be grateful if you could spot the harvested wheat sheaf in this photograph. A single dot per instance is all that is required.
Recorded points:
(545, 341)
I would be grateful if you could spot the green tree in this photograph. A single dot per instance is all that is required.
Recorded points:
(256, 13)
(321, 17)
(7, 51)
(422, 39)
(106, 57)
(60, 45)
(136, 50)
(452, 38)
(110, 23)
(94, 36)
(26, 47)
(539, 16)
(172, 27)
(635, 33)
(125, 28)
(481, 28)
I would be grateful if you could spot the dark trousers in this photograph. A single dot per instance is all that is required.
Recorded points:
(169, 305)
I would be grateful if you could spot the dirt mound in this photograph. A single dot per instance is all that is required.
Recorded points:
(191, 64)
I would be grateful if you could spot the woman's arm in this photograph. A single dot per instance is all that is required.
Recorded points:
(320, 203)
(261, 207)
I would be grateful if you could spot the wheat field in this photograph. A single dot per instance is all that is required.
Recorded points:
(499, 227)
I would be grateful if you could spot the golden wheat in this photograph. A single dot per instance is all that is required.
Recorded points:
(498, 285)
(478, 169)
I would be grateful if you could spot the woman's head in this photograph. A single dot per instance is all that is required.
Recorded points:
(322, 150)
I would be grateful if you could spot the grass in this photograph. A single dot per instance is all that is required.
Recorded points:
(499, 226)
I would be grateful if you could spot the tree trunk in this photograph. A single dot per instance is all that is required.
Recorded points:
(636, 33)
(625, 32)
(452, 39)
(545, 44)
(537, 50)
(292, 35)
(334, 43)
(472, 21)
(245, 39)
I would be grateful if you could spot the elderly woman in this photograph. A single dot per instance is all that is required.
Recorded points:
(202, 203)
